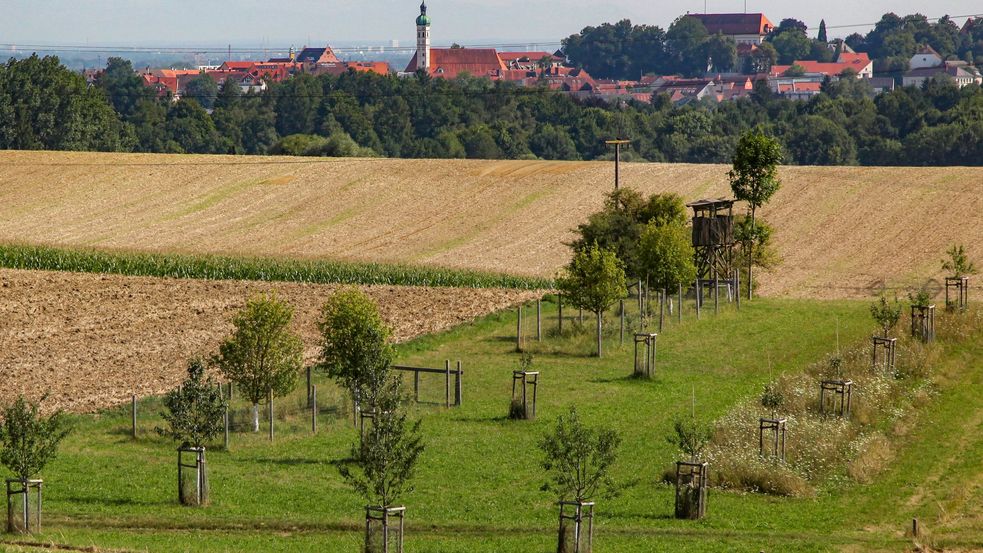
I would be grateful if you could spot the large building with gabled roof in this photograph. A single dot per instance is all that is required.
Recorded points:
(744, 28)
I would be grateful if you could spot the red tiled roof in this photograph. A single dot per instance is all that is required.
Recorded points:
(861, 59)
(735, 23)
(821, 68)
(531, 56)
(451, 62)
(239, 65)
(800, 87)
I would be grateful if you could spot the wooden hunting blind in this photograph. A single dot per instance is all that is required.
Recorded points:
(713, 237)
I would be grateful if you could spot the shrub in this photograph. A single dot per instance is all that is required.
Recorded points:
(29, 441)
(579, 459)
(691, 436)
(354, 343)
(886, 314)
(958, 263)
(195, 411)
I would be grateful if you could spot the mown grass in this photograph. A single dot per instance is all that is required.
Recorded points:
(213, 267)
(478, 487)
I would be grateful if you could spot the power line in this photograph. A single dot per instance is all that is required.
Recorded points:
(930, 19)
(177, 50)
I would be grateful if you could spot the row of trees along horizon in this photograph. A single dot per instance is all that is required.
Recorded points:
(44, 106)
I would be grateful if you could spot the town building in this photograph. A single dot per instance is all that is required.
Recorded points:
(744, 28)
(928, 64)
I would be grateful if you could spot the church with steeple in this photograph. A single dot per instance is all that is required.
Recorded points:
(451, 62)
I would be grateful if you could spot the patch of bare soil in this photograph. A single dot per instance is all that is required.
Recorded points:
(91, 341)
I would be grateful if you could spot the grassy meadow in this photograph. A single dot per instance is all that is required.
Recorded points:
(478, 486)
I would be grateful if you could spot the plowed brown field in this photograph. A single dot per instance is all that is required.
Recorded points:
(93, 340)
(840, 230)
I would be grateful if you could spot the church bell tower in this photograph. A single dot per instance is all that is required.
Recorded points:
(423, 39)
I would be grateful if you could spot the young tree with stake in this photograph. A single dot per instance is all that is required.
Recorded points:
(195, 415)
(384, 458)
(754, 178)
(593, 280)
(28, 442)
(578, 460)
(262, 356)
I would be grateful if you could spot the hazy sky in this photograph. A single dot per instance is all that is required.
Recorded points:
(286, 22)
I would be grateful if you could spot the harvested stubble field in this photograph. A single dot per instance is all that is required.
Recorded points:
(842, 231)
(92, 340)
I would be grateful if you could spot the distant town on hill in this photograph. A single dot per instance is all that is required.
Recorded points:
(907, 92)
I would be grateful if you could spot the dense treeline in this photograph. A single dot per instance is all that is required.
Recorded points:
(625, 51)
(45, 106)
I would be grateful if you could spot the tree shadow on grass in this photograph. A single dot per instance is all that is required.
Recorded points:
(113, 501)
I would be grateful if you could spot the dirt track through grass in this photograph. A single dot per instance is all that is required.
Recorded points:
(842, 231)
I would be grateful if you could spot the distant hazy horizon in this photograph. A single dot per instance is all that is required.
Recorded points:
(298, 22)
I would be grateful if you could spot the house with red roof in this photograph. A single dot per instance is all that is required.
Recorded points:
(744, 28)
(858, 63)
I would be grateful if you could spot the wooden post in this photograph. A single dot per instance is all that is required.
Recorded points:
(459, 386)
(133, 409)
(914, 527)
(622, 322)
(309, 384)
(416, 386)
(539, 320)
(679, 307)
(271, 414)
(518, 329)
(580, 317)
(226, 421)
(314, 409)
(662, 308)
(716, 294)
(699, 293)
(598, 334)
(559, 318)
(230, 391)
(447, 383)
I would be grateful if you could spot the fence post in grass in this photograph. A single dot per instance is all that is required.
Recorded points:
(518, 329)
(313, 408)
(679, 308)
(716, 294)
(539, 320)
(580, 317)
(699, 292)
(662, 308)
(737, 287)
(416, 386)
(133, 409)
(225, 420)
(271, 414)
(447, 383)
(559, 318)
(458, 385)
(622, 310)
(309, 384)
